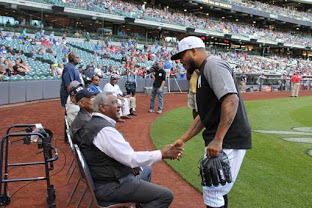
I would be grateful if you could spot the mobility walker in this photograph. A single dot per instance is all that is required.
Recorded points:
(43, 138)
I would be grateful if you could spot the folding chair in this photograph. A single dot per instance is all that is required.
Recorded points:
(85, 174)
(72, 164)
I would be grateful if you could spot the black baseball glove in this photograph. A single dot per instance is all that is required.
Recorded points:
(215, 170)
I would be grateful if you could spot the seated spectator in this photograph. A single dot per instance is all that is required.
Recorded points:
(95, 85)
(71, 106)
(20, 52)
(10, 70)
(56, 70)
(41, 51)
(3, 50)
(89, 72)
(49, 50)
(98, 71)
(2, 71)
(83, 99)
(77, 35)
(11, 51)
(112, 88)
(20, 67)
(113, 162)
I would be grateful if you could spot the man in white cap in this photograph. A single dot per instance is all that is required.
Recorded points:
(112, 88)
(221, 112)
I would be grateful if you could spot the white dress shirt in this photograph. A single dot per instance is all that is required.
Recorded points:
(113, 144)
(114, 89)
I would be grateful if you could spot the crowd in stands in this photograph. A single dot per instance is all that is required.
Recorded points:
(283, 11)
(43, 56)
(244, 63)
(188, 19)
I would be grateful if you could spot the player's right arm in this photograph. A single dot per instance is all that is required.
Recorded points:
(194, 129)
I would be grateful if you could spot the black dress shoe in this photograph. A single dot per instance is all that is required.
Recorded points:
(133, 113)
(126, 117)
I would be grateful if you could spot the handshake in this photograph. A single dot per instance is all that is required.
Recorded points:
(172, 151)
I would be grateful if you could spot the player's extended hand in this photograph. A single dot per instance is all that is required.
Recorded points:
(159, 90)
(171, 151)
(214, 148)
(178, 143)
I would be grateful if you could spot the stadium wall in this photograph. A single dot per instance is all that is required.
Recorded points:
(23, 91)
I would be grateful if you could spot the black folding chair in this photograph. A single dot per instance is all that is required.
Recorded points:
(86, 176)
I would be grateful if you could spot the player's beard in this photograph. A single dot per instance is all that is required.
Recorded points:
(192, 66)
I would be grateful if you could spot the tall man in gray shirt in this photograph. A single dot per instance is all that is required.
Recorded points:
(221, 112)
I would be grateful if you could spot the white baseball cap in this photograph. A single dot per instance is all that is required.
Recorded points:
(188, 43)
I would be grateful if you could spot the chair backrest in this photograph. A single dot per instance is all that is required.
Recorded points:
(69, 134)
(66, 122)
(69, 138)
(85, 173)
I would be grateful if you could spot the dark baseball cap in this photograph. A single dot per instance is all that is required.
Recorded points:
(74, 90)
(83, 93)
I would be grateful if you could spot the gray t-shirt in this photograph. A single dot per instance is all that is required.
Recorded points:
(218, 74)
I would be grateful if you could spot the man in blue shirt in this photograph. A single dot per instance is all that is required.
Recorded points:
(70, 74)
(95, 85)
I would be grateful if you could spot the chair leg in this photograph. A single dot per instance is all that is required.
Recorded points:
(90, 203)
(72, 171)
(73, 191)
(81, 198)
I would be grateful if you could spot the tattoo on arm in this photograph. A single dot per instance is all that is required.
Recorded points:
(228, 111)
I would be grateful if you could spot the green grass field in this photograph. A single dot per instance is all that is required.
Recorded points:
(275, 173)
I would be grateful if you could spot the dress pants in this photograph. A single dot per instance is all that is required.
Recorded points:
(135, 189)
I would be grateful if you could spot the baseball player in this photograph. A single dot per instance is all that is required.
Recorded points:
(221, 112)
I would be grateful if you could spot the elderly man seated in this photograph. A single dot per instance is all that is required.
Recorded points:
(112, 88)
(84, 100)
(71, 106)
(113, 162)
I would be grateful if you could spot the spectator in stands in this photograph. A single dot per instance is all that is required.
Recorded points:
(181, 70)
(84, 100)
(283, 82)
(159, 77)
(112, 88)
(95, 85)
(260, 81)
(70, 74)
(295, 81)
(242, 83)
(56, 70)
(88, 37)
(168, 66)
(20, 67)
(98, 71)
(2, 70)
(77, 35)
(89, 72)
(3, 50)
(11, 51)
(20, 52)
(10, 69)
(49, 50)
(113, 163)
